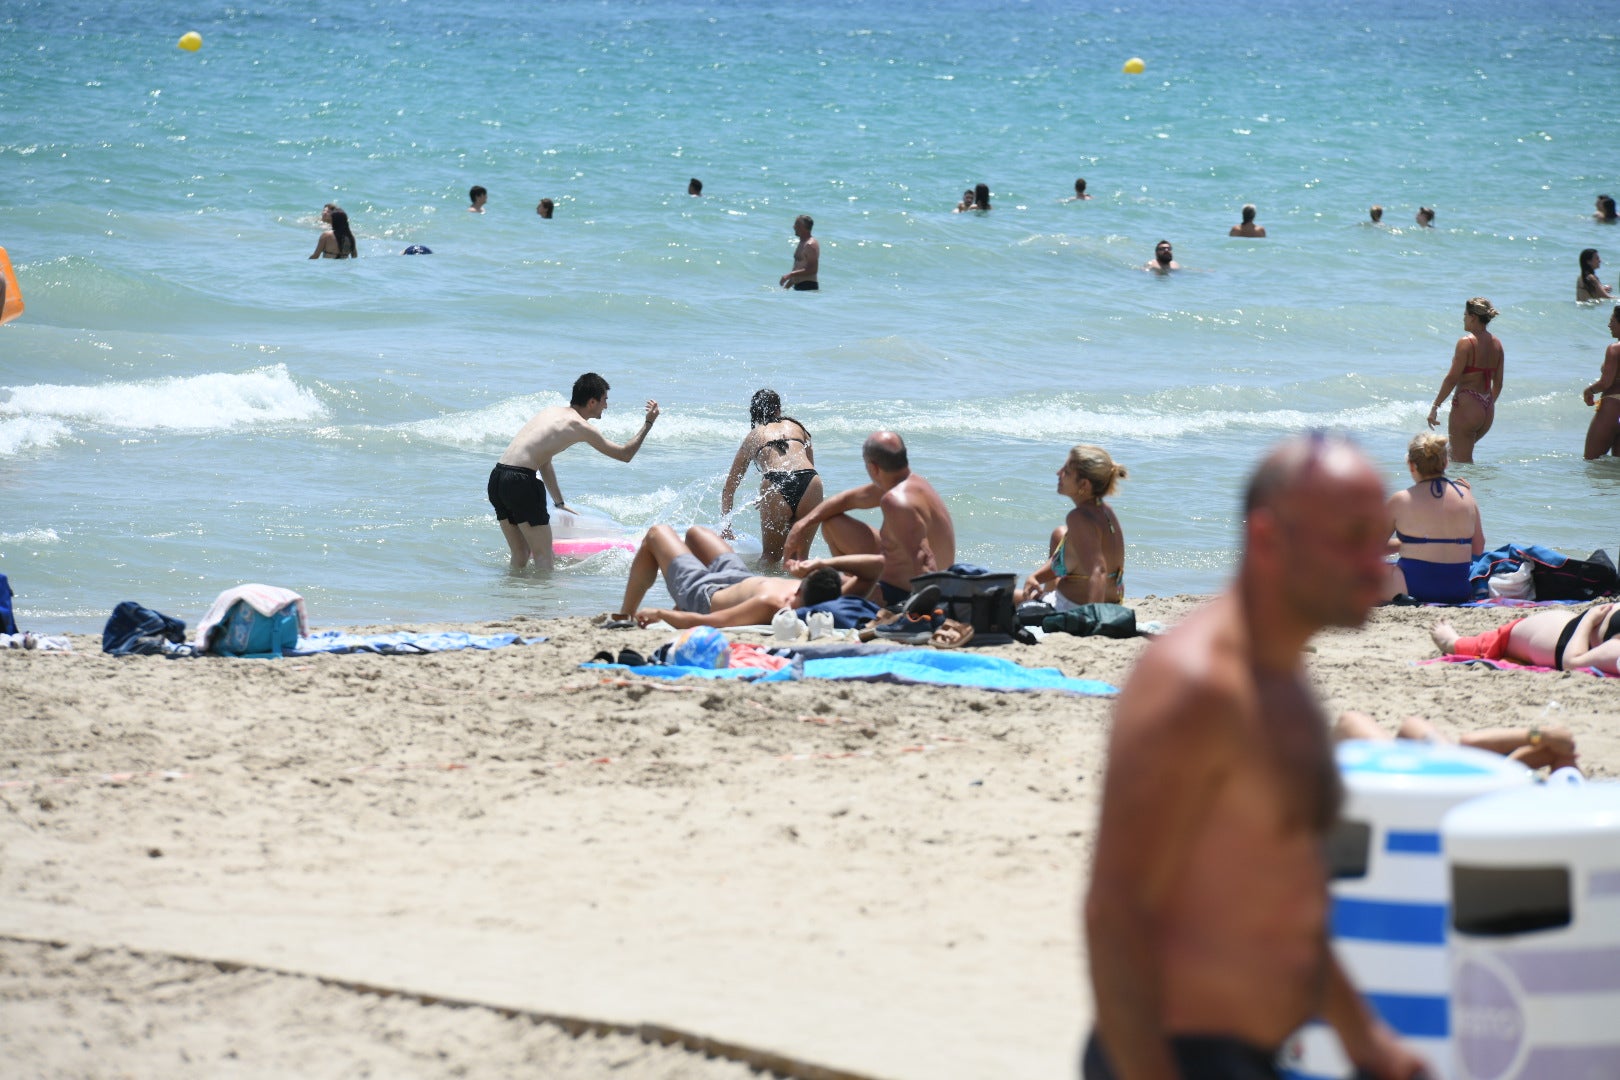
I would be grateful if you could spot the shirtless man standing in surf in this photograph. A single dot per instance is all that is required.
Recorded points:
(806, 258)
(1207, 914)
(917, 536)
(515, 489)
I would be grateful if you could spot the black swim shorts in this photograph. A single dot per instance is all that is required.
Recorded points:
(1198, 1057)
(518, 496)
(805, 286)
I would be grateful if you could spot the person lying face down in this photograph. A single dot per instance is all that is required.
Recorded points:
(711, 585)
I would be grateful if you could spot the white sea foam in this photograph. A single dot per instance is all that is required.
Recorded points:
(216, 401)
(30, 536)
(26, 432)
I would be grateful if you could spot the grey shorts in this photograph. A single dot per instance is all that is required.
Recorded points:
(692, 584)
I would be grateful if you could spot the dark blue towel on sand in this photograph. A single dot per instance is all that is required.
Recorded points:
(848, 612)
(132, 628)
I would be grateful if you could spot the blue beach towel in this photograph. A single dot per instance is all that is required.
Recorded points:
(915, 666)
(848, 612)
(402, 643)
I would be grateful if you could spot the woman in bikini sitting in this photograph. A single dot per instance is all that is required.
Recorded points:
(1086, 564)
(1437, 529)
(1476, 375)
(789, 488)
(1589, 286)
(1603, 436)
(336, 242)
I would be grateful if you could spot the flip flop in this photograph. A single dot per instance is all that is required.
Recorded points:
(951, 635)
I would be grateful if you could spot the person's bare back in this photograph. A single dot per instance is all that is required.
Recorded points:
(917, 536)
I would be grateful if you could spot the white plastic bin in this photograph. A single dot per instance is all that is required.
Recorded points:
(1535, 933)
(1390, 891)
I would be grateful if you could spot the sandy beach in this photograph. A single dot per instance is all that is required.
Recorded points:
(418, 865)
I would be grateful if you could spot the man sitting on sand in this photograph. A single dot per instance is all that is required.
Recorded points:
(1247, 227)
(515, 489)
(711, 584)
(1554, 639)
(917, 536)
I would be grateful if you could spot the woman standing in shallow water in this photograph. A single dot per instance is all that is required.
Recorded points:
(1603, 434)
(789, 487)
(1476, 376)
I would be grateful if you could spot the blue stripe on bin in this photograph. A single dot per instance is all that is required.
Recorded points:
(1416, 1017)
(1387, 920)
(1413, 843)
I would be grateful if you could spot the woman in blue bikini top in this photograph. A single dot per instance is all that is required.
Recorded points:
(1438, 531)
(1086, 554)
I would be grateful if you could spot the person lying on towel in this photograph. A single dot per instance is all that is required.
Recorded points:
(711, 585)
(1554, 639)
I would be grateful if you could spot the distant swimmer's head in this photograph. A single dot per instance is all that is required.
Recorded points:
(1605, 208)
(1590, 261)
(1080, 187)
(417, 249)
(764, 408)
(694, 186)
(326, 212)
(820, 586)
(1248, 213)
(545, 208)
(588, 388)
(1428, 454)
(1163, 252)
(342, 234)
(885, 451)
(478, 196)
(1094, 465)
(981, 196)
(1376, 213)
(1425, 217)
(803, 225)
(1481, 309)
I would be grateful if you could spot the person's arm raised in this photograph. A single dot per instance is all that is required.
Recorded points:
(627, 451)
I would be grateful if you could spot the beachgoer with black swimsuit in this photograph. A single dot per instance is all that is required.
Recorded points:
(779, 446)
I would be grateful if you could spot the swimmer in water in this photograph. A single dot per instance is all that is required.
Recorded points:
(1588, 286)
(789, 487)
(1603, 434)
(1247, 227)
(479, 197)
(1163, 262)
(806, 258)
(337, 242)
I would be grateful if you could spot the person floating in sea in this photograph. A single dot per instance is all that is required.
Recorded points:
(789, 488)
(694, 186)
(1163, 260)
(515, 486)
(981, 197)
(545, 208)
(1080, 190)
(1376, 215)
(711, 585)
(479, 197)
(337, 242)
(806, 258)
(1207, 915)
(1247, 227)
(1588, 286)
(916, 537)
(1438, 531)
(966, 204)
(1476, 375)
(1605, 210)
(1425, 217)
(1603, 434)
(1554, 639)
(1086, 554)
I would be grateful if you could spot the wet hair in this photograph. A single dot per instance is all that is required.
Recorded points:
(1606, 208)
(545, 207)
(1376, 213)
(1481, 309)
(820, 586)
(587, 388)
(981, 196)
(1093, 463)
(342, 234)
(1422, 210)
(885, 459)
(1248, 212)
(807, 221)
(1429, 454)
(765, 407)
(1080, 185)
(694, 186)
(475, 191)
(1588, 257)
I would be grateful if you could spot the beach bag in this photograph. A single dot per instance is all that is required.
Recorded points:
(8, 625)
(1576, 579)
(983, 601)
(1517, 584)
(247, 632)
(1107, 620)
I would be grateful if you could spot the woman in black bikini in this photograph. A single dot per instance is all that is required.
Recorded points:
(789, 488)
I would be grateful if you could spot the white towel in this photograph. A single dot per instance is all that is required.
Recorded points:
(265, 599)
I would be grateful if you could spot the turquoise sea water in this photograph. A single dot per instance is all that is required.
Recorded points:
(188, 403)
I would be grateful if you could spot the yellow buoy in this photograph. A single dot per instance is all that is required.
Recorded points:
(1134, 66)
(190, 41)
(11, 301)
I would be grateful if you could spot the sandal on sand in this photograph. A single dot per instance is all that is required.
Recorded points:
(951, 635)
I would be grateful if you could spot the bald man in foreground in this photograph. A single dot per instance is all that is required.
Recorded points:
(917, 536)
(1207, 914)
